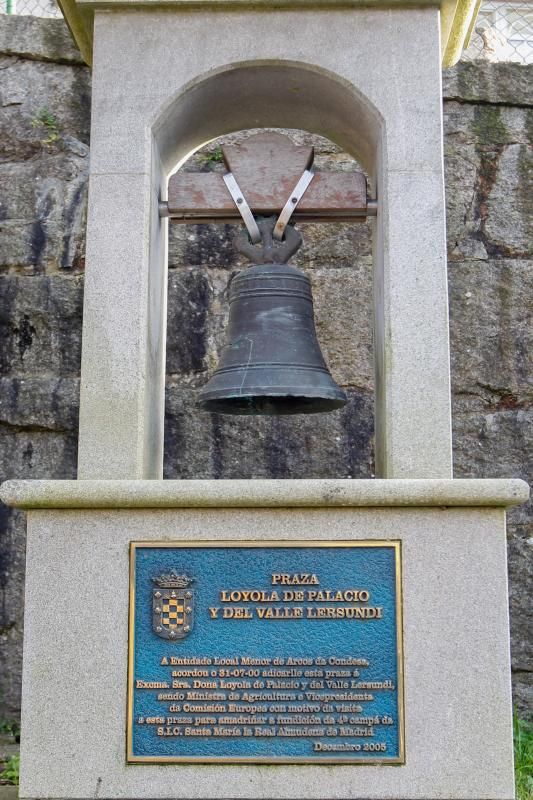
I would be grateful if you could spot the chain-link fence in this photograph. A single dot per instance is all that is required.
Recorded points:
(35, 8)
(503, 30)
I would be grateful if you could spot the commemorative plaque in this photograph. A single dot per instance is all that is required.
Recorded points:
(265, 652)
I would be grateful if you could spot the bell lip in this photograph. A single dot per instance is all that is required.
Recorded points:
(295, 403)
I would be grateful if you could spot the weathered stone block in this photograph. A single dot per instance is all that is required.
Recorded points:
(37, 454)
(488, 181)
(40, 323)
(36, 39)
(482, 82)
(491, 333)
(201, 246)
(509, 204)
(43, 214)
(220, 446)
(336, 245)
(39, 403)
(44, 136)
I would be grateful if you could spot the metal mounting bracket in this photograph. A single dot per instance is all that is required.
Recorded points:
(243, 207)
(289, 207)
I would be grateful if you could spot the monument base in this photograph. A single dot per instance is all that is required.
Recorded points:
(457, 696)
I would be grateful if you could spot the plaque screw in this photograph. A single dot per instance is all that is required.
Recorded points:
(158, 610)
(188, 610)
(186, 628)
(159, 629)
(172, 634)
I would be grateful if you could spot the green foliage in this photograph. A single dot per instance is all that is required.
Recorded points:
(210, 159)
(11, 728)
(11, 770)
(48, 125)
(214, 156)
(523, 758)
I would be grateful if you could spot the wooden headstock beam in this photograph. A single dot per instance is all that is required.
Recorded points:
(267, 167)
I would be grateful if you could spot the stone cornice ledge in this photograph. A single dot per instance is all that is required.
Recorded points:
(262, 493)
(457, 16)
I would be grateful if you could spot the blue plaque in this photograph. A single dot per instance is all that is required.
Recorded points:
(265, 652)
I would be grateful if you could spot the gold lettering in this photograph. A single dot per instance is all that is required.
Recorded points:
(344, 612)
(269, 697)
(289, 580)
(237, 612)
(248, 596)
(280, 612)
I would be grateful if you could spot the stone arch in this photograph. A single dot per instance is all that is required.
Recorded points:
(274, 94)
(255, 94)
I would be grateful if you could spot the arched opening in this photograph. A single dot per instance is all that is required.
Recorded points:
(241, 97)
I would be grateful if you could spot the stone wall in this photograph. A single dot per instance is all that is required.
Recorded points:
(44, 122)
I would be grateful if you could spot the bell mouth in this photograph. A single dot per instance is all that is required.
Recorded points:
(272, 405)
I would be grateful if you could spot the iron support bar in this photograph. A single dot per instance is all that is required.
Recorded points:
(187, 217)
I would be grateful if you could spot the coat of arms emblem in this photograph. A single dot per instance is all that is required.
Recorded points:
(173, 606)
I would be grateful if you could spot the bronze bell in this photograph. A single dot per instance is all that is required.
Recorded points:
(271, 363)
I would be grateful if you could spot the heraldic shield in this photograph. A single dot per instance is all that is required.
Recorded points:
(173, 606)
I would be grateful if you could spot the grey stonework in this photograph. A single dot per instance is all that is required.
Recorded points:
(44, 137)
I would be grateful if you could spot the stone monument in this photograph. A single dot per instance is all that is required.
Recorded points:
(182, 636)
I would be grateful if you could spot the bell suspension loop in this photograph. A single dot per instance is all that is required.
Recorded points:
(272, 363)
